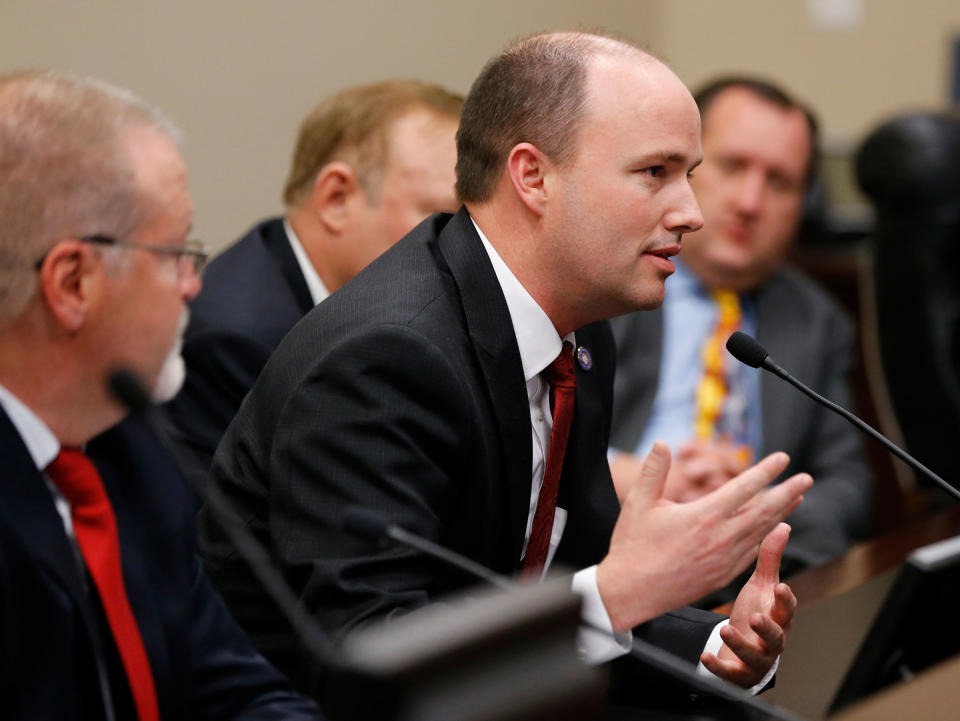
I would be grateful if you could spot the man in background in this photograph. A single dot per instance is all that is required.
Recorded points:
(370, 163)
(106, 611)
(676, 382)
(426, 388)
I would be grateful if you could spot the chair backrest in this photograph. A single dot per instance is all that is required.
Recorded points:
(909, 167)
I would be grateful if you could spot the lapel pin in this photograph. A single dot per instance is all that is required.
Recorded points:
(584, 359)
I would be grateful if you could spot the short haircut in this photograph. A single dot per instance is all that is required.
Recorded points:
(773, 94)
(353, 126)
(65, 170)
(533, 92)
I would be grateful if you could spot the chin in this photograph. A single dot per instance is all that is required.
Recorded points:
(170, 379)
(172, 373)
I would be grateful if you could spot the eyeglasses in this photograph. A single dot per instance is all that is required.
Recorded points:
(191, 256)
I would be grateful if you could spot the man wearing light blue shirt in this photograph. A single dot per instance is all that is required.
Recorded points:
(759, 156)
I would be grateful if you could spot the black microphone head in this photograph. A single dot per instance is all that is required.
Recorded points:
(127, 388)
(365, 522)
(746, 350)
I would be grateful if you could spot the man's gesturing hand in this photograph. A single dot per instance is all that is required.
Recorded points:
(759, 621)
(664, 555)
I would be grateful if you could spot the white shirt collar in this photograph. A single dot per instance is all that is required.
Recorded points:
(42, 445)
(537, 339)
(318, 291)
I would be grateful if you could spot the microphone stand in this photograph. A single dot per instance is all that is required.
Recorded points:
(749, 352)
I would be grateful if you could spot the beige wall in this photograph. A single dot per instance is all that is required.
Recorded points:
(898, 58)
(238, 75)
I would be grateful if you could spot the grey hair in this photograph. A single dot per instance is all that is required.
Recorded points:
(64, 170)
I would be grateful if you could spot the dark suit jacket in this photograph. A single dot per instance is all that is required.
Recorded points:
(203, 665)
(253, 293)
(404, 392)
(805, 331)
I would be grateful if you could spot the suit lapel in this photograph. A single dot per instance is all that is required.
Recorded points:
(491, 332)
(278, 245)
(129, 467)
(30, 511)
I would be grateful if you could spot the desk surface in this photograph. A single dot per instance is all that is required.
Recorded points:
(837, 603)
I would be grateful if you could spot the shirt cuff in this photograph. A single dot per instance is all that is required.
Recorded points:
(593, 645)
(713, 646)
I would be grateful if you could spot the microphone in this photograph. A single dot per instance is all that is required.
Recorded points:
(374, 525)
(126, 388)
(748, 351)
(366, 522)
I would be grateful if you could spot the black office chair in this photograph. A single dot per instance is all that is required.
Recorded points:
(909, 167)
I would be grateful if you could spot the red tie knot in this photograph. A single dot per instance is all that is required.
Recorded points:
(76, 477)
(561, 373)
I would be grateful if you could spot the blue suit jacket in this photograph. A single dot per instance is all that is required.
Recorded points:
(203, 665)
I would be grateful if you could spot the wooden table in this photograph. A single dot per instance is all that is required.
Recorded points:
(837, 603)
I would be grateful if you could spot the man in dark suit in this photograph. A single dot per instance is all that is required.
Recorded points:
(759, 158)
(370, 163)
(105, 611)
(417, 388)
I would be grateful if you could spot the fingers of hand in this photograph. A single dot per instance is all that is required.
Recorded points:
(732, 669)
(756, 650)
(772, 636)
(771, 552)
(653, 475)
(776, 503)
(784, 606)
(748, 484)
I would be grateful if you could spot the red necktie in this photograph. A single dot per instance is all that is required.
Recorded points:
(563, 389)
(95, 528)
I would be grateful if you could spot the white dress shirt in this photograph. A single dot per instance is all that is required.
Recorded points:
(318, 291)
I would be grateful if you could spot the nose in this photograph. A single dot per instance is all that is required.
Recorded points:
(749, 192)
(190, 285)
(686, 216)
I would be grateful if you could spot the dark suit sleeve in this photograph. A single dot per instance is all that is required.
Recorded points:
(383, 421)
(838, 506)
(230, 679)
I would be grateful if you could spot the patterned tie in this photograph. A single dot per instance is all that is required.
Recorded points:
(95, 528)
(712, 390)
(562, 378)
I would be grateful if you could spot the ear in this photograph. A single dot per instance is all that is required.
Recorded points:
(527, 167)
(68, 282)
(336, 186)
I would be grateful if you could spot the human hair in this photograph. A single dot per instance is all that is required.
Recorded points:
(771, 93)
(353, 126)
(533, 92)
(65, 170)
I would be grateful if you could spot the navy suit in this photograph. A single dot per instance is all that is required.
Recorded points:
(203, 665)
(404, 392)
(253, 293)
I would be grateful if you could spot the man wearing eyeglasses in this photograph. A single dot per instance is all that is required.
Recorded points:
(105, 612)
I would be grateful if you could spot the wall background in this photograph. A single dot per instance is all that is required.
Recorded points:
(238, 76)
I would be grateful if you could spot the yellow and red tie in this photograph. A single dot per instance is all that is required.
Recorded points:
(713, 387)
